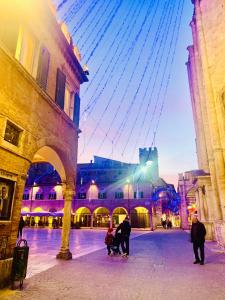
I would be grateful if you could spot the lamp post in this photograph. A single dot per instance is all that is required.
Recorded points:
(128, 183)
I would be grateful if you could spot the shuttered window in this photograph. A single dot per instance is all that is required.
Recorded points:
(76, 113)
(43, 67)
(60, 88)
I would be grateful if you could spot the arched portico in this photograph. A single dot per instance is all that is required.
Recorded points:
(118, 215)
(140, 217)
(83, 217)
(101, 217)
(53, 153)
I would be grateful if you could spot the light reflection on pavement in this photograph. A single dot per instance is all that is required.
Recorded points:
(45, 244)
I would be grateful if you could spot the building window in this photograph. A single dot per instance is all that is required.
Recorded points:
(39, 196)
(12, 133)
(25, 196)
(52, 196)
(81, 195)
(118, 195)
(69, 102)
(60, 88)
(102, 195)
(27, 50)
(138, 195)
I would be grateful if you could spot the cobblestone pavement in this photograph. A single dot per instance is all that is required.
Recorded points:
(159, 267)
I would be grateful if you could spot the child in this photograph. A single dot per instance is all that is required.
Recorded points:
(109, 240)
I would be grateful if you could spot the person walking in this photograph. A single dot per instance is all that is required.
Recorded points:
(198, 233)
(125, 229)
(20, 229)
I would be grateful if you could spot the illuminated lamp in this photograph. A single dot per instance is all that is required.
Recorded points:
(144, 169)
(148, 163)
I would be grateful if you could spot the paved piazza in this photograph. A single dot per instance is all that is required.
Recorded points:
(159, 267)
(42, 241)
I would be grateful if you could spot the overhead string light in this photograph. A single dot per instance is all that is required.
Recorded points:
(121, 44)
(124, 32)
(157, 65)
(169, 77)
(84, 18)
(103, 33)
(113, 62)
(98, 21)
(61, 5)
(130, 79)
(125, 65)
(122, 124)
(73, 10)
(89, 27)
(147, 112)
(176, 25)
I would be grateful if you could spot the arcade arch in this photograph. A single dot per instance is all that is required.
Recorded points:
(140, 217)
(118, 215)
(55, 153)
(101, 217)
(82, 217)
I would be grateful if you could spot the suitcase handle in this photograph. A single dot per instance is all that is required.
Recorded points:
(20, 241)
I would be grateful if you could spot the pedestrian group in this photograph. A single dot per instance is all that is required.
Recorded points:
(122, 236)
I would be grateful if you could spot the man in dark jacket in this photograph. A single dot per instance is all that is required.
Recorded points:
(125, 235)
(198, 233)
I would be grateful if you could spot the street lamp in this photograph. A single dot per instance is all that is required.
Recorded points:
(128, 183)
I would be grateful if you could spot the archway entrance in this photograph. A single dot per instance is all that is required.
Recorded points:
(101, 217)
(140, 217)
(66, 169)
(118, 216)
(43, 196)
(82, 217)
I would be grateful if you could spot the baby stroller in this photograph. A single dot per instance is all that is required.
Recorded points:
(115, 247)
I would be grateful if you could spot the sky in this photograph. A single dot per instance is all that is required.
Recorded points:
(138, 93)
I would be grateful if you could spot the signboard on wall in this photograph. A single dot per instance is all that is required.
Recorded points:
(6, 198)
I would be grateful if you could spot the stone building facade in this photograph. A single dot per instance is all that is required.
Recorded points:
(39, 117)
(106, 191)
(206, 70)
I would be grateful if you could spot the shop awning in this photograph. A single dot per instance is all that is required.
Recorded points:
(42, 214)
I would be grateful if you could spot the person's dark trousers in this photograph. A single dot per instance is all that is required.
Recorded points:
(109, 249)
(200, 246)
(20, 232)
(125, 245)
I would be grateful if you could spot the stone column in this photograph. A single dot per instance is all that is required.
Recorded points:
(201, 204)
(198, 203)
(64, 251)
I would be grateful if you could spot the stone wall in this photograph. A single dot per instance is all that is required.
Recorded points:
(46, 131)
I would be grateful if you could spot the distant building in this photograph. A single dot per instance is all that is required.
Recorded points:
(40, 79)
(106, 191)
(189, 194)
